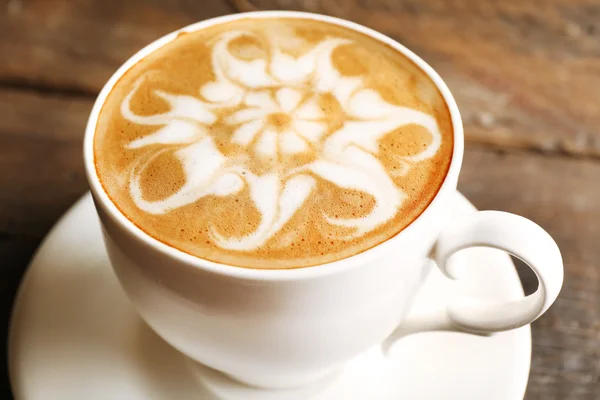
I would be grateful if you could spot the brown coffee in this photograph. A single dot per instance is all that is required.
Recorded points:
(273, 143)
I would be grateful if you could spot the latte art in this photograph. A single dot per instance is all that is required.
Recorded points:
(311, 159)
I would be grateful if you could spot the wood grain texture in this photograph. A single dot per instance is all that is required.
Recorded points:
(75, 45)
(29, 113)
(526, 75)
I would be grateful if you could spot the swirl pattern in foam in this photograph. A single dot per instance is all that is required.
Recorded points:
(273, 143)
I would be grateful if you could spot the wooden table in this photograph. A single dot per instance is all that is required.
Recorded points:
(526, 75)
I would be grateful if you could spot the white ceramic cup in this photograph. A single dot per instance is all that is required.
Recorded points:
(287, 328)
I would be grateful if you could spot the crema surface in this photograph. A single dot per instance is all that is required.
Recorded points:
(273, 143)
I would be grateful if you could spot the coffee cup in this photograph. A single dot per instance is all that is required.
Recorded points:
(289, 327)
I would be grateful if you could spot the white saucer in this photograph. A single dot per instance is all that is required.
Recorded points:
(75, 336)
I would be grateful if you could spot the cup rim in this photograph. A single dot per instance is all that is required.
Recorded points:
(283, 274)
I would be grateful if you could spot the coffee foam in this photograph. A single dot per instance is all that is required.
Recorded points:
(273, 143)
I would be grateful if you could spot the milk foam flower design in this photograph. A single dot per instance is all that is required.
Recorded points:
(303, 125)
(272, 107)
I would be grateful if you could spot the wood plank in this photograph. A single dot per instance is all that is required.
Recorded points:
(558, 193)
(75, 45)
(44, 115)
(40, 178)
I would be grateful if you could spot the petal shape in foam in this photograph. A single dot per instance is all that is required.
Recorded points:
(288, 99)
(309, 110)
(245, 134)
(227, 184)
(327, 78)
(368, 104)
(222, 93)
(310, 130)
(251, 74)
(367, 133)
(245, 115)
(267, 144)
(358, 170)
(203, 166)
(175, 132)
(181, 107)
(187, 107)
(344, 89)
(379, 118)
(291, 143)
(316, 65)
(262, 100)
(276, 207)
(291, 71)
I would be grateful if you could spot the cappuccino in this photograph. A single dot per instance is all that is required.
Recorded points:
(273, 143)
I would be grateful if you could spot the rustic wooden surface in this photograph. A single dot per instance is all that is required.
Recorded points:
(526, 75)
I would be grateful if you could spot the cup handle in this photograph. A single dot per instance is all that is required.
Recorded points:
(500, 230)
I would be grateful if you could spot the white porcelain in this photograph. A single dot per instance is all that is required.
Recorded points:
(74, 335)
(289, 328)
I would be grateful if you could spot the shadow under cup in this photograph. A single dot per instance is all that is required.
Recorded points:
(272, 328)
